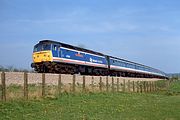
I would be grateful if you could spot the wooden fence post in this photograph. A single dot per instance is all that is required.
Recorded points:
(3, 79)
(141, 87)
(124, 85)
(117, 84)
(84, 83)
(156, 86)
(150, 86)
(133, 86)
(1, 87)
(92, 83)
(74, 84)
(107, 84)
(43, 84)
(59, 84)
(129, 89)
(25, 85)
(147, 86)
(144, 86)
(137, 86)
(167, 85)
(153, 86)
(112, 84)
(100, 84)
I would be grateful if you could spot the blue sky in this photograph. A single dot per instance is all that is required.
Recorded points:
(144, 31)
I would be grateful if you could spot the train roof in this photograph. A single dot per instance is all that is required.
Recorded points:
(72, 47)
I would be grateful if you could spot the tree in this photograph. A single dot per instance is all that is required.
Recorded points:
(1, 68)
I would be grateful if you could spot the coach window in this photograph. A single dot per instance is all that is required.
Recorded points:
(142, 68)
(118, 63)
(130, 66)
(123, 64)
(133, 66)
(127, 65)
(139, 68)
(59, 48)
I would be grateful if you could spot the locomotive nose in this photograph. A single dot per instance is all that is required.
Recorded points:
(42, 56)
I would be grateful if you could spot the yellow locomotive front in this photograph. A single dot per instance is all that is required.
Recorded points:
(42, 55)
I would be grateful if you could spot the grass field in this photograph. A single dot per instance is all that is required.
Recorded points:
(98, 106)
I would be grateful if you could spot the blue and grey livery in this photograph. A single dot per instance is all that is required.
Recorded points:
(56, 57)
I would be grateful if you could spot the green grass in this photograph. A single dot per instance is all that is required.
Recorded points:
(175, 87)
(99, 106)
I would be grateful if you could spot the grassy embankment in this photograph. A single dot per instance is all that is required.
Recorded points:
(100, 106)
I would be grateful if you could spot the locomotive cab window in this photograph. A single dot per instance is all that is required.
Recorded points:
(41, 47)
(37, 48)
(46, 47)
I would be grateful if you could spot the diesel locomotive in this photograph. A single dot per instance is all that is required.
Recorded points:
(57, 57)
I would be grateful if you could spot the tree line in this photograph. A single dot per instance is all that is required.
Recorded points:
(13, 69)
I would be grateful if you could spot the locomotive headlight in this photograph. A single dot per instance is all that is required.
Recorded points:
(34, 57)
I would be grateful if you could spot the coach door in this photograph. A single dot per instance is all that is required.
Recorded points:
(55, 50)
(59, 51)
